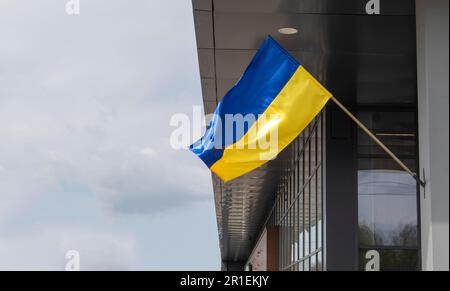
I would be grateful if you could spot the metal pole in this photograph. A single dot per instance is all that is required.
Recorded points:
(375, 139)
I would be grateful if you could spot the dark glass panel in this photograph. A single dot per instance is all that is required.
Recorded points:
(387, 195)
(393, 260)
(395, 129)
(387, 208)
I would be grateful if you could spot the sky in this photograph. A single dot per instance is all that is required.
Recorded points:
(85, 158)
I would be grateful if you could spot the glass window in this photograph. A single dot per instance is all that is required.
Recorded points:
(387, 195)
(313, 213)
(306, 265)
(298, 209)
(301, 228)
(387, 208)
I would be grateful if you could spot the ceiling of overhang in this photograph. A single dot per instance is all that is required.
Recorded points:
(334, 38)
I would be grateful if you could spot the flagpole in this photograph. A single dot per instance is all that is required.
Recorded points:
(375, 139)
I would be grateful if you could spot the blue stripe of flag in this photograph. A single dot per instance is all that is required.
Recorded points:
(270, 70)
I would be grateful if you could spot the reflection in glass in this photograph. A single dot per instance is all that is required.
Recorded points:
(387, 196)
(387, 208)
(298, 208)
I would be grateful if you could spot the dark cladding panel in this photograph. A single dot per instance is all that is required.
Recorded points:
(389, 7)
(209, 107)
(223, 86)
(204, 29)
(341, 198)
(202, 5)
(231, 64)
(206, 63)
(372, 78)
(354, 34)
(209, 89)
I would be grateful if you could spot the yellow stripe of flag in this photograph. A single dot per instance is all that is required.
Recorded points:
(302, 98)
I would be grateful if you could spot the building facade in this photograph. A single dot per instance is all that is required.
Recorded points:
(333, 200)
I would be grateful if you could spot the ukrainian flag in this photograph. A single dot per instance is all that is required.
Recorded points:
(282, 96)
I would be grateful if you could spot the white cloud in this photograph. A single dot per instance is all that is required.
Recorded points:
(85, 105)
(78, 113)
(45, 249)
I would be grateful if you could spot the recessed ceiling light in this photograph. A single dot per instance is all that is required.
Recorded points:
(287, 30)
